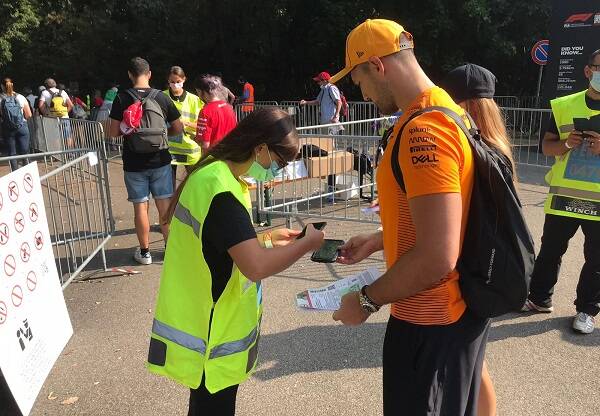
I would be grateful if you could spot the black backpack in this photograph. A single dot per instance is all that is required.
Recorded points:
(151, 135)
(497, 255)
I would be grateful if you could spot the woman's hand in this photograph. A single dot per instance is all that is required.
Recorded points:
(360, 247)
(283, 236)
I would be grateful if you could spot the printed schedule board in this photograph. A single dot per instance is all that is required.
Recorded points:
(574, 35)
(34, 322)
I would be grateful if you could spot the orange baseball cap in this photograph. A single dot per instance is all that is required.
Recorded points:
(373, 37)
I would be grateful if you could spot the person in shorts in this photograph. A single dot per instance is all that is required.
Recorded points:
(434, 345)
(145, 173)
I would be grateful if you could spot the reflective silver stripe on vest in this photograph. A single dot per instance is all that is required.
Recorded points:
(179, 337)
(185, 216)
(234, 347)
(176, 139)
(188, 115)
(575, 193)
(185, 151)
(566, 128)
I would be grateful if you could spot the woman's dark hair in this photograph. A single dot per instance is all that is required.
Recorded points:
(269, 125)
(176, 70)
(209, 83)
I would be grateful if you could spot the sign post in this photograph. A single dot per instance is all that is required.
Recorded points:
(539, 54)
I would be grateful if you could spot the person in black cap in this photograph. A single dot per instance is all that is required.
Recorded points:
(472, 87)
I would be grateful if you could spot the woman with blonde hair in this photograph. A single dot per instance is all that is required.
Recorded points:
(472, 87)
(14, 111)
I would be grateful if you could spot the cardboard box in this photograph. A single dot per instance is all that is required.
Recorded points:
(324, 143)
(336, 162)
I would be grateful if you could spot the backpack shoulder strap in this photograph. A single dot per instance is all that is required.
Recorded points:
(470, 133)
(133, 94)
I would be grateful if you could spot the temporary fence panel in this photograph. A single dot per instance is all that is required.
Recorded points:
(526, 128)
(78, 207)
(506, 100)
(333, 178)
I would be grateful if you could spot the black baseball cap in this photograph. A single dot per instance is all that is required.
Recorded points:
(469, 81)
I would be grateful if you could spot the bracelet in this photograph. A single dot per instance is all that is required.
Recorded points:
(567, 145)
(366, 302)
(267, 240)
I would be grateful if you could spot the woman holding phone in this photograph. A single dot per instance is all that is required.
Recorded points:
(207, 323)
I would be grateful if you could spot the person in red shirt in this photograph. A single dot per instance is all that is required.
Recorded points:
(217, 117)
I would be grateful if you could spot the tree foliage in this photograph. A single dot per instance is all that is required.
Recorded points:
(277, 44)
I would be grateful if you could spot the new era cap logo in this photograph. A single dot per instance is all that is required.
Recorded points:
(359, 53)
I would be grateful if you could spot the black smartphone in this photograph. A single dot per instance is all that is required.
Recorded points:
(318, 225)
(329, 251)
(587, 124)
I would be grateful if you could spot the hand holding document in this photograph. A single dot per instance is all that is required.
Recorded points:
(328, 298)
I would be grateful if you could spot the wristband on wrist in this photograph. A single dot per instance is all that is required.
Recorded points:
(267, 241)
(567, 145)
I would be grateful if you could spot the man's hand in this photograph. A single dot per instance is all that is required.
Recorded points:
(594, 140)
(350, 312)
(302, 102)
(360, 247)
(574, 140)
(283, 236)
(335, 119)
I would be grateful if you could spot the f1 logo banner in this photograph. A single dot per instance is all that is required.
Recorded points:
(574, 34)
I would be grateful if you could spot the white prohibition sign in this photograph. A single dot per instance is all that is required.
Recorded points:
(28, 182)
(13, 191)
(10, 265)
(3, 312)
(19, 222)
(25, 252)
(4, 233)
(31, 281)
(17, 296)
(33, 212)
(39, 240)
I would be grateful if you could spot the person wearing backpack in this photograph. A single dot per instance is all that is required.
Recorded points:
(54, 102)
(329, 100)
(573, 200)
(14, 111)
(141, 114)
(430, 331)
(472, 87)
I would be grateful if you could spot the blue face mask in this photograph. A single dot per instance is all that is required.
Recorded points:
(261, 174)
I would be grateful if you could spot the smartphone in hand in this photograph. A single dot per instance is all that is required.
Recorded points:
(318, 225)
(329, 251)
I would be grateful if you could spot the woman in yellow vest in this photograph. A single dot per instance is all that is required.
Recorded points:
(207, 323)
(184, 149)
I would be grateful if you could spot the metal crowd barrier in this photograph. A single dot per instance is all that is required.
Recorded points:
(78, 206)
(333, 178)
(526, 128)
(341, 182)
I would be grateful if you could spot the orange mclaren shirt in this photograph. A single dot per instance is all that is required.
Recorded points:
(435, 157)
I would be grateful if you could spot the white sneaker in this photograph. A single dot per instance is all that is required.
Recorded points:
(584, 323)
(142, 258)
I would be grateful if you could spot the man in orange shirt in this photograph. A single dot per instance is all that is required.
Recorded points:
(247, 97)
(434, 346)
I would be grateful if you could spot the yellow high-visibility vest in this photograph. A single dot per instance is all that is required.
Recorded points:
(575, 176)
(183, 148)
(191, 334)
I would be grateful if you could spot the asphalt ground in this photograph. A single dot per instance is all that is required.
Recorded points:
(308, 363)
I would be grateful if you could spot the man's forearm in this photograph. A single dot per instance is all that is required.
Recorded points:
(412, 273)
(338, 107)
(554, 147)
